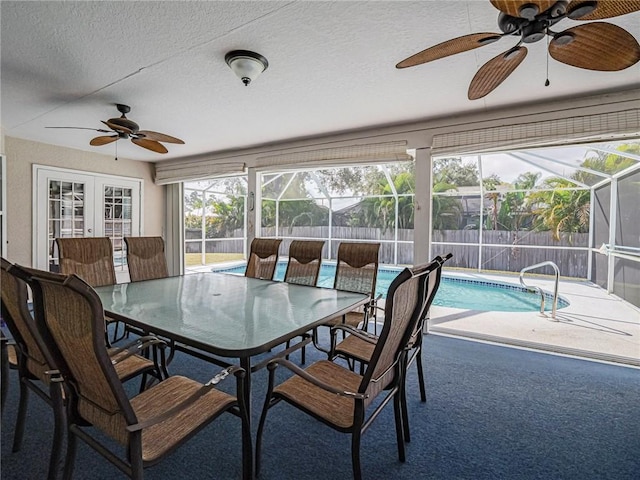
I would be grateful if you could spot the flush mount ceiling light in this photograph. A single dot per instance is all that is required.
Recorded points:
(246, 65)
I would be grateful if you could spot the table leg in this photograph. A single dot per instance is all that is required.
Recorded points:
(247, 449)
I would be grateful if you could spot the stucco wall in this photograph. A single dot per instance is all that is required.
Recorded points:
(23, 154)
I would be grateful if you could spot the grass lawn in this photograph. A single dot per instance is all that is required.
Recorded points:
(193, 259)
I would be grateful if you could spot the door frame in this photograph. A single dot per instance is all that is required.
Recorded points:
(43, 173)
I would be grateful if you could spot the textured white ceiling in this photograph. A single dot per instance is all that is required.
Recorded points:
(332, 68)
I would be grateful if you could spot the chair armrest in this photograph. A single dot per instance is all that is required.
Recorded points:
(313, 380)
(190, 400)
(135, 347)
(133, 344)
(358, 332)
(306, 339)
(54, 376)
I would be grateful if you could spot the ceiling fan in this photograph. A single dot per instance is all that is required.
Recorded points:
(122, 127)
(594, 46)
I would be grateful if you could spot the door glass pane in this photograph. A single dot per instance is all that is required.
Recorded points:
(66, 215)
(118, 221)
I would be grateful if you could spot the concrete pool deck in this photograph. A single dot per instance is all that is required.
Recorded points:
(595, 324)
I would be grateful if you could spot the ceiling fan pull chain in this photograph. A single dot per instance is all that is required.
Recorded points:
(547, 82)
(116, 151)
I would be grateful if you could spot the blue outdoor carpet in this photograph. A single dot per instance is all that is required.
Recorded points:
(492, 413)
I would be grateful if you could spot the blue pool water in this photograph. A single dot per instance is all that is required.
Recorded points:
(453, 292)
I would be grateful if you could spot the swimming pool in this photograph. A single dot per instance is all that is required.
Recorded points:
(453, 292)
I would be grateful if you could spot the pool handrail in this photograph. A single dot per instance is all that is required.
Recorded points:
(554, 306)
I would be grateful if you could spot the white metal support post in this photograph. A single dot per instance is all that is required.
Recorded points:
(254, 201)
(422, 205)
(613, 221)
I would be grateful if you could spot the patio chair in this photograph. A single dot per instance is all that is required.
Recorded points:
(359, 345)
(303, 267)
(305, 258)
(150, 425)
(146, 258)
(357, 271)
(37, 370)
(343, 399)
(263, 258)
(91, 258)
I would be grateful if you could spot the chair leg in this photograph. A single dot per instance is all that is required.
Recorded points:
(135, 454)
(72, 443)
(143, 382)
(355, 454)
(22, 413)
(59, 419)
(259, 440)
(423, 390)
(403, 405)
(4, 372)
(397, 408)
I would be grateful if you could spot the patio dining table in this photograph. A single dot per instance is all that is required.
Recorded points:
(213, 315)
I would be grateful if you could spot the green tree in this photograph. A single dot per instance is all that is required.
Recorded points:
(605, 162)
(490, 185)
(567, 211)
(454, 172)
(561, 210)
(515, 210)
(446, 211)
(380, 211)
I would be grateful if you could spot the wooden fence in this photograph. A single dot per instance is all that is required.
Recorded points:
(516, 250)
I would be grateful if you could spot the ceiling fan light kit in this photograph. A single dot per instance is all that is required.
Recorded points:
(246, 65)
(599, 46)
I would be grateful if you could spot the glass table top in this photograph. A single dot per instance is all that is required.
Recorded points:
(225, 314)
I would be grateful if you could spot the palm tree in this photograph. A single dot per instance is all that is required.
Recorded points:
(515, 208)
(561, 210)
(446, 211)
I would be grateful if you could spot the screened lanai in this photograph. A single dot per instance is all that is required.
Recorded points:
(496, 212)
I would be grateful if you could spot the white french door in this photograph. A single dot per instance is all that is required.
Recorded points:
(76, 204)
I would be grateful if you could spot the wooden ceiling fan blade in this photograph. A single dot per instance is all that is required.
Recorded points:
(159, 137)
(495, 71)
(513, 7)
(103, 140)
(597, 46)
(603, 9)
(450, 47)
(150, 145)
(117, 128)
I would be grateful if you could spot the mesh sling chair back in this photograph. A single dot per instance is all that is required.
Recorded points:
(305, 259)
(263, 258)
(151, 424)
(339, 397)
(146, 258)
(303, 266)
(91, 258)
(37, 368)
(357, 271)
(360, 345)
